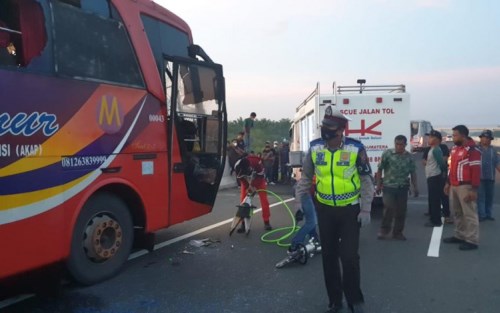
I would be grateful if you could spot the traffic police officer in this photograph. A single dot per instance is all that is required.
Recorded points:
(344, 192)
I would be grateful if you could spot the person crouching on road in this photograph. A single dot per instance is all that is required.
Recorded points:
(463, 182)
(344, 192)
(308, 212)
(396, 164)
(250, 172)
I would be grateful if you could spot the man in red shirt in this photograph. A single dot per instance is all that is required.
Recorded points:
(463, 183)
(250, 172)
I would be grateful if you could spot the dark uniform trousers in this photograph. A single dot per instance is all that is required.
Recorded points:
(339, 234)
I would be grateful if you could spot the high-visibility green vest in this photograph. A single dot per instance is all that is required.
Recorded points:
(337, 177)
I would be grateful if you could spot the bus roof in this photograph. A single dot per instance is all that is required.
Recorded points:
(155, 10)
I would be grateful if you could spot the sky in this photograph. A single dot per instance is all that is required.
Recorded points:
(446, 52)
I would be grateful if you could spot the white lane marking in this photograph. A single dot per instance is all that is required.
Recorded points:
(12, 301)
(194, 233)
(437, 233)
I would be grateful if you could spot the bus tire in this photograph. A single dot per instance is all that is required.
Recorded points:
(102, 239)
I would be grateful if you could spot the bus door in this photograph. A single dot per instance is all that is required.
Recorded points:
(197, 129)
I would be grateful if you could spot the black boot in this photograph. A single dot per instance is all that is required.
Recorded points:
(357, 308)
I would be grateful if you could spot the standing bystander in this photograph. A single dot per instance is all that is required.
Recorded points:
(489, 162)
(268, 160)
(276, 164)
(463, 182)
(247, 128)
(445, 200)
(284, 160)
(396, 165)
(435, 172)
(240, 144)
(235, 151)
(344, 192)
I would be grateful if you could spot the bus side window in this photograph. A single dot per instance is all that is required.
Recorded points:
(32, 27)
(99, 7)
(91, 46)
(7, 55)
(25, 25)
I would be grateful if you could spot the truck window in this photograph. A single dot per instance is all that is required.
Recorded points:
(429, 128)
(414, 128)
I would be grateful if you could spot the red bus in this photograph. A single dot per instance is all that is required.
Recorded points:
(112, 126)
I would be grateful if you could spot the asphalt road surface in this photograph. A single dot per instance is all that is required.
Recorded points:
(238, 274)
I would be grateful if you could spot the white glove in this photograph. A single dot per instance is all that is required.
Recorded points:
(367, 190)
(364, 218)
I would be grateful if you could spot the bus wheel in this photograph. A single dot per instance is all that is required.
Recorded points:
(102, 239)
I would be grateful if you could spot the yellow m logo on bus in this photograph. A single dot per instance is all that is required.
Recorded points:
(110, 115)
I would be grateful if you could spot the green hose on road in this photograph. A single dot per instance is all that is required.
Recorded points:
(289, 231)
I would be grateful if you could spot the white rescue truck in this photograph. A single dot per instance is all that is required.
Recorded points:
(378, 114)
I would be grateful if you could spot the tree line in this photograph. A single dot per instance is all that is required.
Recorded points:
(263, 130)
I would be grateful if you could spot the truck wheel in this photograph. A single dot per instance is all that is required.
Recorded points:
(102, 239)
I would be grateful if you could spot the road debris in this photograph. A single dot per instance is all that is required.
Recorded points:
(203, 242)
